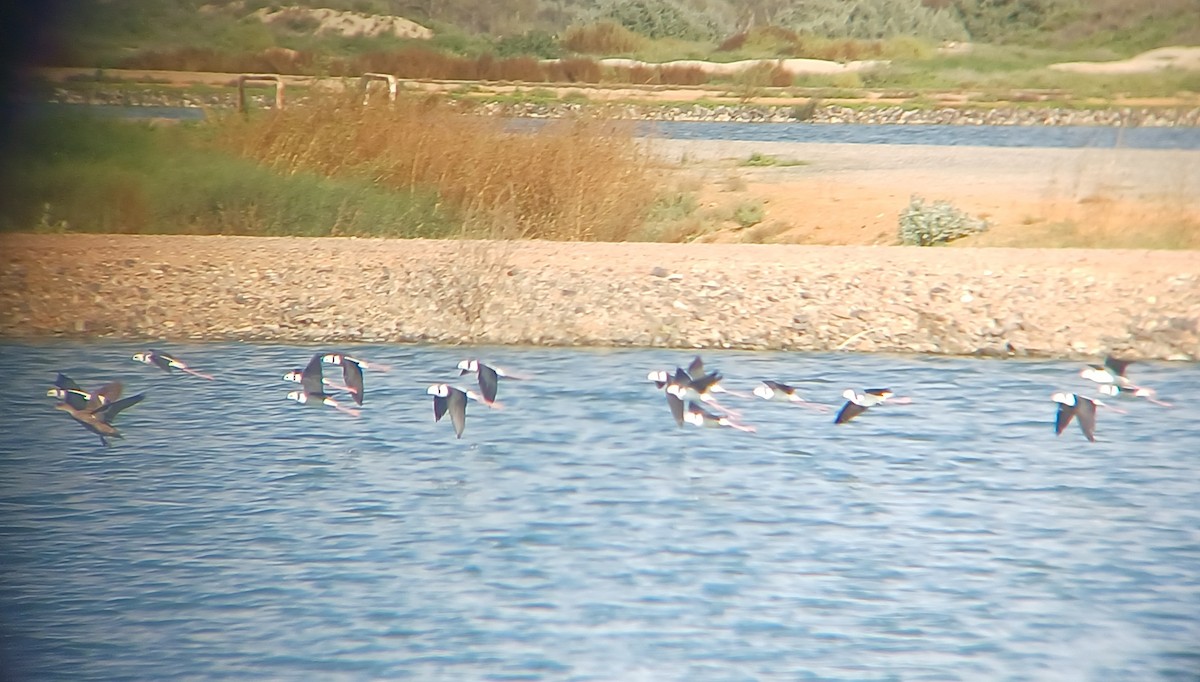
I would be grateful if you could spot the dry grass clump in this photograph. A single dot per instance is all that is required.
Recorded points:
(576, 179)
(603, 38)
(204, 59)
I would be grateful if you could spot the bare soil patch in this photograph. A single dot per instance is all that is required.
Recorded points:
(852, 194)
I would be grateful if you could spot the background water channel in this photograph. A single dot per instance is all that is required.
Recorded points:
(1071, 137)
(577, 534)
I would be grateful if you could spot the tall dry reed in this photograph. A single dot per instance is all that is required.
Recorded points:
(576, 179)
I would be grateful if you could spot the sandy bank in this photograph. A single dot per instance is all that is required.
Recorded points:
(988, 301)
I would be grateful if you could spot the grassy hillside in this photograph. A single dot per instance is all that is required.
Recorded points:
(109, 33)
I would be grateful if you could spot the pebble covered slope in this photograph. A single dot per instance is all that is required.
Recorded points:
(1059, 303)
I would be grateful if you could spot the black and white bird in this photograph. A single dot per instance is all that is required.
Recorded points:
(1111, 372)
(487, 376)
(778, 391)
(698, 416)
(166, 363)
(97, 413)
(447, 398)
(312, 388)
(352, 373)
(857, 403)
(687, 388)
(1074, 406)
(1110, 379)
(68, 391)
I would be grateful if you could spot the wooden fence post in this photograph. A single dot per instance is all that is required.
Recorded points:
(364, 84)
(259, 77)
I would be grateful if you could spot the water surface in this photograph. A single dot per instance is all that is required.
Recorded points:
(1070, 137)
(577, 534)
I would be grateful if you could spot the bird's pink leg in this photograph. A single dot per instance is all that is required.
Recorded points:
(193, 372)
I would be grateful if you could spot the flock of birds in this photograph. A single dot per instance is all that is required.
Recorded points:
(691, 393)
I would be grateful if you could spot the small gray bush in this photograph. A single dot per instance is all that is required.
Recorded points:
(941, 221)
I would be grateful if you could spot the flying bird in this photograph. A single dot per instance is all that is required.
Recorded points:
(778, 391)
(312, 388)
(1112, 381)
(487, 376)
(857, 403)
(352, 373)
(97, 416)
(1072, 406)
(166, 363)
(447, 398)
(698, 416)
(67, 391)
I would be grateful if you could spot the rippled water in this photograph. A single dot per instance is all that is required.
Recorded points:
(578, 535)
(944, 135)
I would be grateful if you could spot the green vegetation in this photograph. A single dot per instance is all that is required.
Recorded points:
(419, 168)
(503, 40)
(83, 174)
(759, 160)
(936, 223)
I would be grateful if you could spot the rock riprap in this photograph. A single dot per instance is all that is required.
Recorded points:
(1059, 302)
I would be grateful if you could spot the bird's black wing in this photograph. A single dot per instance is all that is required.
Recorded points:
(676, 405)
(696, 368)
(1064, 416)
(65, 382)
(105, 395)
(488, 380)
(778, 386)
(1086, 411)
(109, 412)
(1117, 365)
(77, 398)
(456, 404)
(706, 382)
(161, 360)
(72, 394)
(439, 408)
(696, 409)
(849, 411)
(312, 379)
(352, 374)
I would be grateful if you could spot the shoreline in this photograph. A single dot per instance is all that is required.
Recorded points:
(955, 301)
(808, 110)
(1028, 107)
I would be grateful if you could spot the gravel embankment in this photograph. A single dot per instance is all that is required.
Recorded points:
(938, 300)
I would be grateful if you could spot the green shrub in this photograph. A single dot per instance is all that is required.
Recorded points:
(872, 19)
(749, 213)
(657, 19)
(531, 43)
(925, 225)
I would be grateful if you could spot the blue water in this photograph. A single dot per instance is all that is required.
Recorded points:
(577, 534)
(1072, 137)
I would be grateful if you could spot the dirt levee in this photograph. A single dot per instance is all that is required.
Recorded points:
(903, 299)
